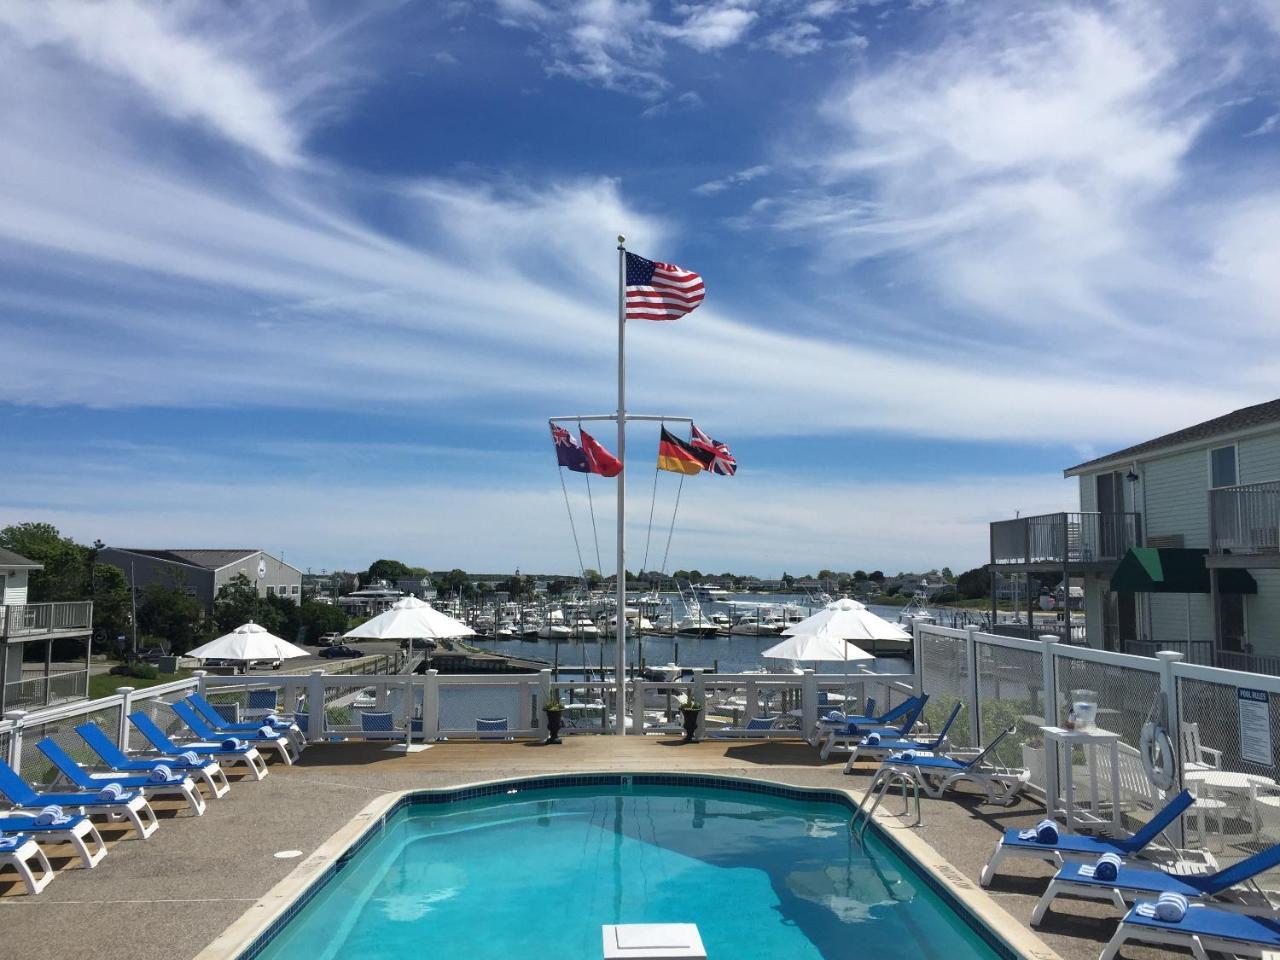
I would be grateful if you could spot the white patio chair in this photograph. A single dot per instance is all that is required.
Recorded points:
(1195, 755)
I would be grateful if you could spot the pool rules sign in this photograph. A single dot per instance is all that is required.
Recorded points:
(1255, 725)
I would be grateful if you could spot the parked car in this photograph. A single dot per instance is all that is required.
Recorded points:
(340, 651)
(151, 654)
(329, 639)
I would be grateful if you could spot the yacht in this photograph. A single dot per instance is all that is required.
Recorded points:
(757, 625)
(583, 629)
(695, 623)
(915, 612)
(555, 627)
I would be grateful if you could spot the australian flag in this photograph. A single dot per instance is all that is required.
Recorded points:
(568, 451)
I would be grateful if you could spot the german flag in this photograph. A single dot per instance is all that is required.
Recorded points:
(677, 455)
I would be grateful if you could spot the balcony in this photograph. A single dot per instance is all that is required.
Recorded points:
(39, 621)
(1051, 541)
(1244, 525)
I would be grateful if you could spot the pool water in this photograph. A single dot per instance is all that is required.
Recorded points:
(536, 874)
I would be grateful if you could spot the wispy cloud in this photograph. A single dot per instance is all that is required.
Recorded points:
(732, 180)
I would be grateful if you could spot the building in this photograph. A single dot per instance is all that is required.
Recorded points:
(202, 573)
(1176, 542)
(29, 678)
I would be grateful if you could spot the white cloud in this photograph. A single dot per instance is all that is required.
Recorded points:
(714, 27)
(688, 100)
(797, 39)
(185, 77)
(732, 180)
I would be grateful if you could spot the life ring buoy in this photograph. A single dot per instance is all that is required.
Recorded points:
(1157, 756)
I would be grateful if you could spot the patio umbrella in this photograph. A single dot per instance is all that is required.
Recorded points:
(248, 642)
(410, 619)
(848, 619)
(820, 646)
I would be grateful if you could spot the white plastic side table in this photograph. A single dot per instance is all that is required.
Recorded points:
(1063, 799)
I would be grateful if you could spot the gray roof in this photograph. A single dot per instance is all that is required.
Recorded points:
(208, 559)
(1259, 415)
(10, 559)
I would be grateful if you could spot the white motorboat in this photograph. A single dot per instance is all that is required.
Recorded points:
(696, 623)
(635, 622)
(583, 629)
(915, 612)
(757, 625)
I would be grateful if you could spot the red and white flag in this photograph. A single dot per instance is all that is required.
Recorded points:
(660, 291)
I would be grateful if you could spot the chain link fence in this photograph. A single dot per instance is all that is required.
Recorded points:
(944, 675)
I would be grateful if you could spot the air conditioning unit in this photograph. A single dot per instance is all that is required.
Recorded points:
(1166, 541)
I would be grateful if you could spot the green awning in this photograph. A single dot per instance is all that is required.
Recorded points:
(1175, 570)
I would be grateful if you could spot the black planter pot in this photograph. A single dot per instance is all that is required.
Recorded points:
(690, 725)
(553, 726)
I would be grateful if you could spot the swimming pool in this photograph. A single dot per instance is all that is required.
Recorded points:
(496, 873)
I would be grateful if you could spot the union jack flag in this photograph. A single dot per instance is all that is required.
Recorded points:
(715, 455)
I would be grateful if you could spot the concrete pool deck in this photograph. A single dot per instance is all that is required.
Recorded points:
(171, 896)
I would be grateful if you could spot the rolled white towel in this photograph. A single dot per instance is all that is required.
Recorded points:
(873, 740)
(1106, 869)
(231, 743)
(272, 719)
(267, 732)
(112, 791)
(50, 814)
(1046, 831)
(835, 716)
(161, 772)
(8, 843)
(1170, 908)
(189, 757)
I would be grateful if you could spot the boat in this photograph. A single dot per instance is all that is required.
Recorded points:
(757, 625)
(666, 673)
(915, 612)
(635, 622)
(555, 628)
(583, 629)
(695, 623)
(709, 594)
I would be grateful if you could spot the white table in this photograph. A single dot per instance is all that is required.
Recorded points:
(1208, 784)
(1060, 798)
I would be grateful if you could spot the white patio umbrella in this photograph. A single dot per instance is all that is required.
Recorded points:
(248, 642)
(849, 620)
(820, 647)
(410, 619)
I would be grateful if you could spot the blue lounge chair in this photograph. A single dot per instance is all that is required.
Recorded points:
(19, 850)
(888, 745)
(904, 715)
(936, 775)
(1078, 847)
(113, 757)
(174, 785)
(74, 829)
(187, 714)
(1204, 927)
(216, 721)
(246, 753)
(132, 803)
(1132, 883)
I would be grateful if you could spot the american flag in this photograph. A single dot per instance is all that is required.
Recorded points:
(716, 455)
(660, 291)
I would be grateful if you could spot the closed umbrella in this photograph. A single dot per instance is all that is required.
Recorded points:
(248, 642)
(410, 619)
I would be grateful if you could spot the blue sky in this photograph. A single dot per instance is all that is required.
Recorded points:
(311, 277)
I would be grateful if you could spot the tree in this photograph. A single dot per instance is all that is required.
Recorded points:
(859, 575)
(455, 581)
(876, 575)
(825, 574)
(787, 579)
(947, 575)
(238, 603)
(516, 587)
(171, 615)
(390, 570)
(66, 563)
(111, 603)
(592, 577)
(974, 583)
(559, 587)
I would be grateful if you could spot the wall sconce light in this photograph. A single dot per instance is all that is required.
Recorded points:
(1131, 477)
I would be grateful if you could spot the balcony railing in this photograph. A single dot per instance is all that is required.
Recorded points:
(1245, 519)
(27, 620)
(1065, 538)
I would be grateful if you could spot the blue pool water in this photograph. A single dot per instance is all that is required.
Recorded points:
(537, 873)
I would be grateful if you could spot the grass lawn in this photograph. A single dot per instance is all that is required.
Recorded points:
(105, 684)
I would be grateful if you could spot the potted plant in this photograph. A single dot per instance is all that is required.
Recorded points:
(690, 709)
(553, 710)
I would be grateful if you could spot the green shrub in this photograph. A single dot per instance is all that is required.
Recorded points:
(145, 671)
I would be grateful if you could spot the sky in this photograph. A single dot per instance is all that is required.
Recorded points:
(311, 277)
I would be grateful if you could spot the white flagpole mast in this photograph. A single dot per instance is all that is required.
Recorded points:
(620, 664)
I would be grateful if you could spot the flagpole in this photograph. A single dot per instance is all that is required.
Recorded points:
(620, 664)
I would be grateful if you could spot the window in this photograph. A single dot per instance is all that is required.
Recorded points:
(1222, 467)
(271, 588)
(295, 589)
